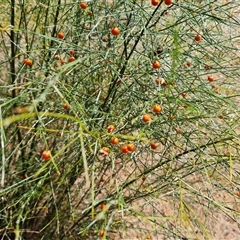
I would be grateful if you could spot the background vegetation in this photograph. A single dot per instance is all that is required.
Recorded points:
(87, 79)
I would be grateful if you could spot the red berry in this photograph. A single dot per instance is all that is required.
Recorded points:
(60, 35)
(28, 62)
(115, 31)
(198, 38)
(156, 64)
(125, 149)
(210, 78)
(168, 2)
(155, 2)
(153, 145)
(130, 147)
(110, 128)
(83, 5)
(46, 154)
(71, 59)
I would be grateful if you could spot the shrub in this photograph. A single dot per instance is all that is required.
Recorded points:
(70, 72)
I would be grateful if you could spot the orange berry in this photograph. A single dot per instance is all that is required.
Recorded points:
(153, 145)
(66, 106)
(237, 193)
(83, 5)
(114, 140)
(103, 206)
(156, 64)
(104, 150)
(115, 31)
(155, 2)
(168, 2)
(130, 147)
(110, 128)
(125, 149)
(101, 233)
(46, 155)
(198, 38)
(71, 59)
(28, 62)
(210, 78)
(157, 108)
(146, 118)
(60, 35)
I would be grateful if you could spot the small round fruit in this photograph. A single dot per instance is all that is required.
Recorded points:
(28, 62)
(60, 35)
(156, 64)
(104, 150)
(110, 128)
(46, 154)
(131, 147)
(125, 149)
(188, 64)
(114, 140)
(146, 118)
(101, 233)
(157, 108)
(103, 206)
(66, 106)
(237, 193)
(168, 2)
(210, 78)
(198, 38)
(71, 59)
(115, 31)
(155, 2)
(62, 61)
(153, 145)
(83, 5)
